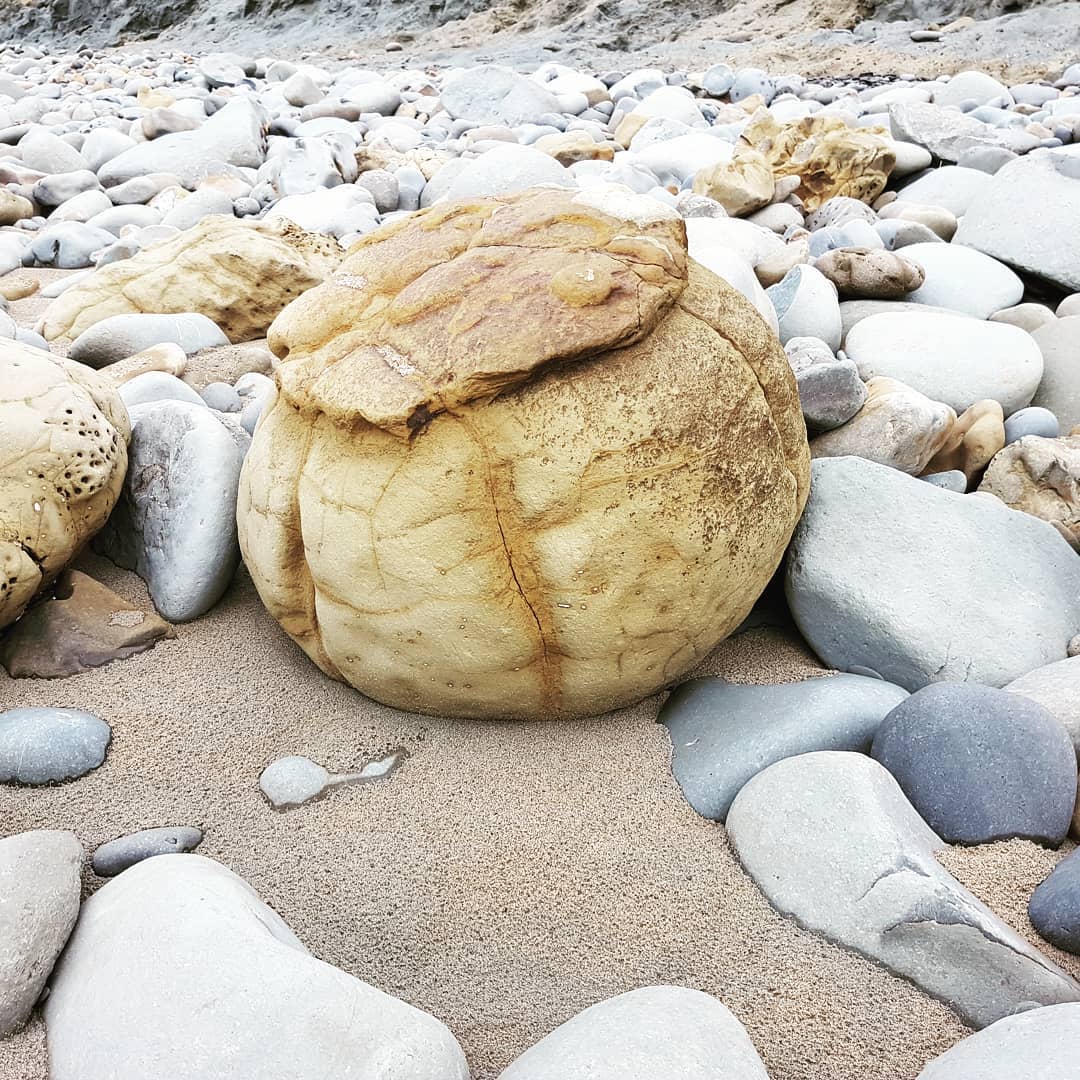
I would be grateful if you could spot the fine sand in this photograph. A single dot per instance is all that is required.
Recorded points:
(506, 876)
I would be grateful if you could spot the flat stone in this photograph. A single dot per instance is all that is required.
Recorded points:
(949, 358)
(117, 855)
(724, 733)
(1033, 1045)
(44, 746)
(121, 336)
(1056, 687)
(40, 885)
(179, 969)
(1028, 216)
(948, 133)
(922, 585)
(292, 781)
(964, 280)
(832, 842)
(175, 523)
(652, 1033)
(980, 764)
(1059, 390)
(84, 625)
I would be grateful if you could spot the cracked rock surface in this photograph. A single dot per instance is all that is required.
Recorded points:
(63, 454)
(833, 843)
(527, 459)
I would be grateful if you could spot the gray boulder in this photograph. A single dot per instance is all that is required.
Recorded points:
(44, 746)
(1054, 909)
(40, 883)
(655, 1032)
(724, 733)
(1029, 216)
(490, 94)
(180, 970)
(121, 336)
(175, 522)
(832, 842)
(118, 855)
(980, 765)
(949, 133)
(1056, 687)
(923, 585)
(1039, 1044)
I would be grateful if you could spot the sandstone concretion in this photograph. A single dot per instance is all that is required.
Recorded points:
(526, 459)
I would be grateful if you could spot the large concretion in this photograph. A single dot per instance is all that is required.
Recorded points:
(526, 460)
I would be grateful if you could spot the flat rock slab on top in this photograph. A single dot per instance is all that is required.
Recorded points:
(724, 733)
(1039, 1044)
(84, 626)
(43, 746)
(653, 1033)
(40, 883)
(832, 842)
(923, 585)
(180, 970)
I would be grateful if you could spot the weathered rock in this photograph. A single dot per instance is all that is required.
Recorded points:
(832, 842)
(63, 454)
(537, 631)
(829, 157)
(40, 884)
(897, 426)
(870, 274)
(1038, 231)
(1059, 390)
(167, 358)
(175, 523)
(44, 746)
(972, 442)
(741, 186)
(1041, 477)
(84, 625)
(1057, 688)
(1033, 1045)
(659, 1032)
(724, 733)
(258, 269)
(187, 939)
(490, 94)
(949, 358)
(949, 133)
(878, 562)
(118, 855)
(980, 765)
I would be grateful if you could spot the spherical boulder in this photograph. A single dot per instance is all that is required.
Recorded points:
(63, 455)
(526, 459)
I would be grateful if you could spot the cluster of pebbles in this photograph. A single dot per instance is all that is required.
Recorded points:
(915, 245)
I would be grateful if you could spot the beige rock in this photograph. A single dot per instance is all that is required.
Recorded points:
(526, 459)
(628, 127)
(63, 455)
(239, 274)
(165, 357)
(1028, 317)
(897, 426)
(1041, 477)
(829, 157)
(381, 155)
(936, 218)
(870, 273)
(741, 186)
(569, 147)
(773, 268)
(977, 435)
(18, 288)
(84, 625)
(14, 207)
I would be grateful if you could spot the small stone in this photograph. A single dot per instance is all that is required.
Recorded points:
(44, 745)
(976, 436)
(117, 855)
(830, 390)
(981, 764)
(222, 397)
(1031, 421)
(18, 288)
(293, 780)
(865, 274)
(1028, 317)
(156, 386)
(807, 306)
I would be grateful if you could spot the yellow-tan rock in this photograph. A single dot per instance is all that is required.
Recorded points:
(829, 157)
(741, 186)
(1041, 477)
(570, 147)
(239, 274)
(63, 455)
(14, 207)
(165, 357)
(526, 459)
(977, 435)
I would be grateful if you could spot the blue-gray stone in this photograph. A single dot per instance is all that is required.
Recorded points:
(724, 733)
(950, 480)
(1055, 905)
(117, 855)
(44, 745)
(981, 764)
(1034, 420)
